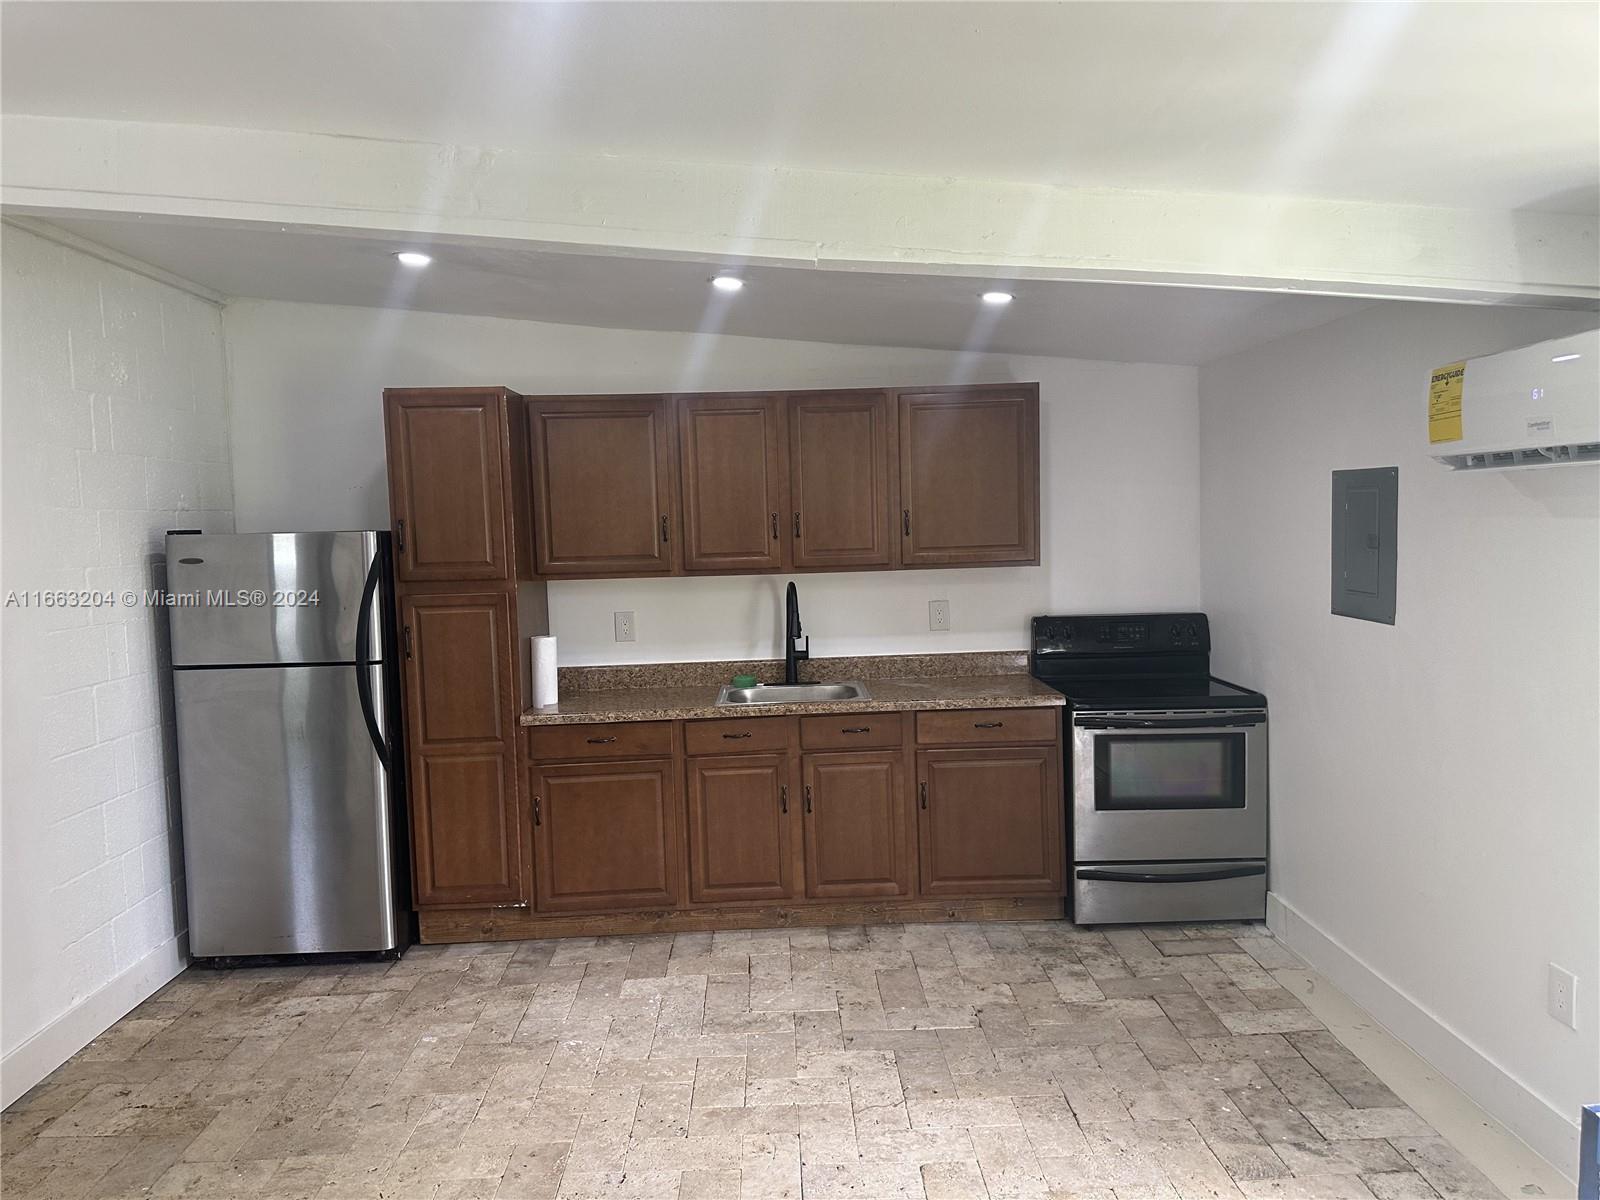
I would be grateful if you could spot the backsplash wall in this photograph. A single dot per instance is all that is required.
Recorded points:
(1119, 473)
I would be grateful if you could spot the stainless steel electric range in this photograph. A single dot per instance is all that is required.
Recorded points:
(1166, 770)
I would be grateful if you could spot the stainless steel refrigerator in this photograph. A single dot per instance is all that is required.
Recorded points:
(287, 701)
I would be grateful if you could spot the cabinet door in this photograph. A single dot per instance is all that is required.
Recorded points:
(603, 490)
(461, 716)
(447, 480)
(839, 468)
(990, 821)
(969, 476)
(606, 835)
(740, 846)
(855, 841)
(734, 496)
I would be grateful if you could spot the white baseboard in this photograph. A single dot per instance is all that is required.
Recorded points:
(88, 1019)
(1488, 1084)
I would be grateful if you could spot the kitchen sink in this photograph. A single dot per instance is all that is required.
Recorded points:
(790, 693)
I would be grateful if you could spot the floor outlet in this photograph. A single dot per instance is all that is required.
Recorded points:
(939, 615)
(1563, 1002)
(623, 622)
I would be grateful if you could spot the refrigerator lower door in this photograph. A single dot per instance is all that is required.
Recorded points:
(286, 824)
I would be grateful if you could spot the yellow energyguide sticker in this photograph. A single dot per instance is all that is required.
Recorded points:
(1444, 403)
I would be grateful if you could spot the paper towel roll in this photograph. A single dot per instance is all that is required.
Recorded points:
(543, 652)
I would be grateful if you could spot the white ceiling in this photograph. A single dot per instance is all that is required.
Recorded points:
(1491, 106)
(1116, 322)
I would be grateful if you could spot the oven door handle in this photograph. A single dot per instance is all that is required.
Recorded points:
(1158, 723)
(1109, 876)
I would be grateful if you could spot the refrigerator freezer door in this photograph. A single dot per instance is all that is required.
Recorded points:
(248, 598)
(286, 823)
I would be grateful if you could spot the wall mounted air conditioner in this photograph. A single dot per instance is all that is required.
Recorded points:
(1537, 406)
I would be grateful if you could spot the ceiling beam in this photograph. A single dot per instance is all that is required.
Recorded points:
(831, 219)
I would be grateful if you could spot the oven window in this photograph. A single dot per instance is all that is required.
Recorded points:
(1152, 771)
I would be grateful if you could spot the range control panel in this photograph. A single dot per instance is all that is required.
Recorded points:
(1142, 633)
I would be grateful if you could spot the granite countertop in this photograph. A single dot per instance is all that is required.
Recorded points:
(896, 683)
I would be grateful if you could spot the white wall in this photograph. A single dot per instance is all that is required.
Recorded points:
(113, 430)
(1435, 785)
(1119, 471)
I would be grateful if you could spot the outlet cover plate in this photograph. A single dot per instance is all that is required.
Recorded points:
(939, 615)
(622, 624)
(1563, 1001)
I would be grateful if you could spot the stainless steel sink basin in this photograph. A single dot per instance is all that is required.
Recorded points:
(792, 693)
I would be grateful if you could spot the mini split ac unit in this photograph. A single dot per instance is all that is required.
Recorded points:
(1537, 406)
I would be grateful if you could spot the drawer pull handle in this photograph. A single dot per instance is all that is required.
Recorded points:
(605, 741)
(987, 724)
(922, 794)
(733, 737)
(857, 729)
(783, 798)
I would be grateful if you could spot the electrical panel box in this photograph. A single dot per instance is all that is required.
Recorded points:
(1365, 520)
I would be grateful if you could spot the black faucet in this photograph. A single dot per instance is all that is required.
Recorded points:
(792, 653)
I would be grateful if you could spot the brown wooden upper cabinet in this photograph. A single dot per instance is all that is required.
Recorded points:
(969, 476)
(735, 496)
(449, 467)
(466, 832)
(840, 468)
(604, 499)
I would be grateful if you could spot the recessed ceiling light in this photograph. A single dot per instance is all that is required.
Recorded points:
(1565, 357)
(414, 258)
(997, 298)
(727, 283)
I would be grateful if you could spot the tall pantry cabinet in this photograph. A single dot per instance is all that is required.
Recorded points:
(459, 513)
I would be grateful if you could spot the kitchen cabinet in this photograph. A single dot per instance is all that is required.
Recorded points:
(969, 476)
(449, 482)
(461, 704)
(740, 828)
(840, 479)
(604, 497)
(605, 835)
(854, 815)
(990, 821)
(735, 498)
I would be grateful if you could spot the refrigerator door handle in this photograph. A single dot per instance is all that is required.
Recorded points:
(380, 747)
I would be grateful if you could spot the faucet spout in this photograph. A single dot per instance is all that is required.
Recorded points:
(793, 653)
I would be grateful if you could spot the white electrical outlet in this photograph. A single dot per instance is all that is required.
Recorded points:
(623, 624)
(1563, 1001)
(939, 615)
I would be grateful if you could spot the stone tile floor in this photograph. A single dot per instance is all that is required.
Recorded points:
(939, 1061)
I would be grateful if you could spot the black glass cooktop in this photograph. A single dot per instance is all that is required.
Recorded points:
(1192, 691)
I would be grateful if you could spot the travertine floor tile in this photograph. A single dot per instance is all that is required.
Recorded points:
(944, 1062)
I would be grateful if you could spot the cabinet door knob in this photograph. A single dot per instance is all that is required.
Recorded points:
(537, 815)
(783, 798)
(808, 797)
(774, 526)
(664, 527)
(797, 524)
(408, 640)
(400, 536)
(922, 793)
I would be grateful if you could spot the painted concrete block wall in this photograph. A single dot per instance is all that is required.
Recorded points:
(1435, 784)
(114, 429)
(1119, 475)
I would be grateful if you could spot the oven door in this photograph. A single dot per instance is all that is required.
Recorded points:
(1176, 785)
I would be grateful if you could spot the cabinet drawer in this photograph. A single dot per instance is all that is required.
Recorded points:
(739, 735)
(980, 726)
(622, 739)
(850, 731)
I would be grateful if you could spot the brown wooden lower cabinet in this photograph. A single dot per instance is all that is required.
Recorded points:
(605, 835)
(990, 821)
(740, 842)
(855, 825)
